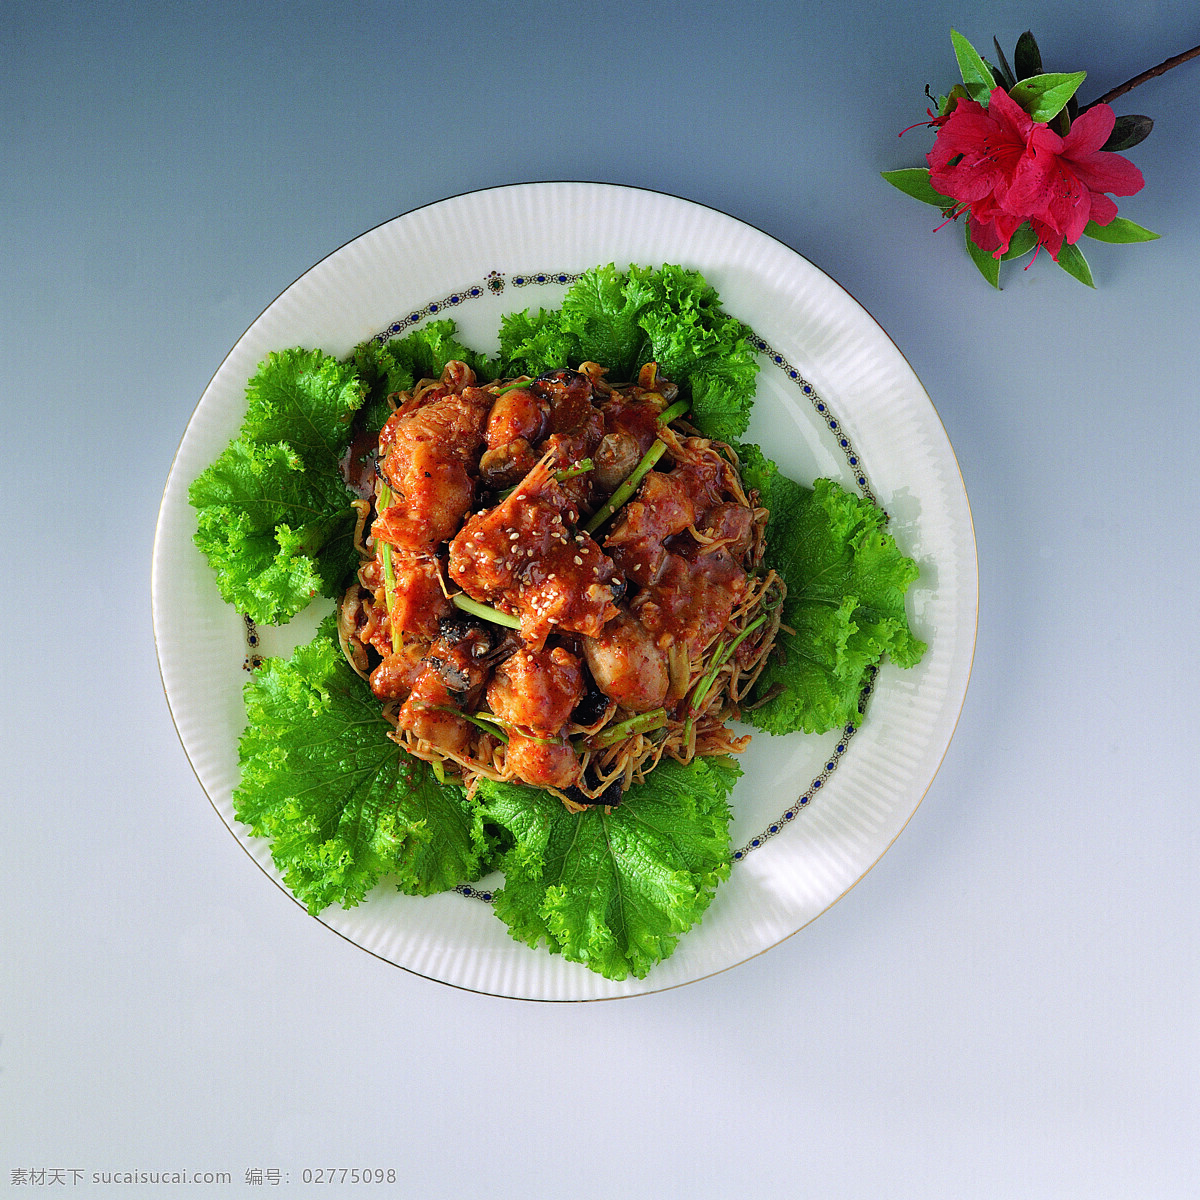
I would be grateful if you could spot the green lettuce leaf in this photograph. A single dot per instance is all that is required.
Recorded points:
(342, 805)
(614, 890)
(846, 582)
(399, 364)
(699, 347)
(274, 516)
(622, 320)
(603, 310)
(533, 342)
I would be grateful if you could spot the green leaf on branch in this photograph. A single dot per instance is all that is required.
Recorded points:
(1043, 97)
(947, 102)
(1007, 76)
(976, 73)
(989, 266)
(1020, 243)
(1128, 131)
(1071, 259)
(1027, 59)
(1119, 230)
(914, 182)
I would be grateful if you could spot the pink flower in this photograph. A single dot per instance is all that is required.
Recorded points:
(1003, 169)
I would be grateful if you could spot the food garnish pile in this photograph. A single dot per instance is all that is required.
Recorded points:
(559, 579)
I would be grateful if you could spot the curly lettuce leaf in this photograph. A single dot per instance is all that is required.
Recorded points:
(669, 315)
(274, 516)
(276, 533)
(699, 347)
(533, 342)
(340, 803)
(846, 585)
(399, 364)
(605, 310)
(614, 890)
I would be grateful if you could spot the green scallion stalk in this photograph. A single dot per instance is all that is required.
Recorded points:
(484, 611)
(512, 387)
(669, 414)
(719, 659)
(582, 467)
(642, 723)
(702, 688)
(476, 719)
(622, 494)
(389, 574)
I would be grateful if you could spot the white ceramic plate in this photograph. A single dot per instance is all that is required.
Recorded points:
(835, 398)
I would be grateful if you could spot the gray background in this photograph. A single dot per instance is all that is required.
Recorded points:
(1005, 1006)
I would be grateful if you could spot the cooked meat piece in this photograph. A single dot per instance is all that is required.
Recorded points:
(627, 664)
(569, 395)
(451, 677)
(522, 557)
(394, 677)
(691, 600)
(517, 413)
(543, 762)
(663, 506)
(730, 526)
(516, 423)
(428, 452)
(417, 597)
(636, 417)
(537, 689)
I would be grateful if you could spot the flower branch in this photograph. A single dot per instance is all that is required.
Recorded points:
(1025, 164)
(1145, 77)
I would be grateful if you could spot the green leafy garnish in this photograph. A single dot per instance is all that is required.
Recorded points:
(342, 805)
(274, 515)
(614, 890)
(669, 315)
(846, 583)
(398, 364)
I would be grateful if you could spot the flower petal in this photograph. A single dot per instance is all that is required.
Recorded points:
(1104, 210)
(1009, 115)
(1089, 131)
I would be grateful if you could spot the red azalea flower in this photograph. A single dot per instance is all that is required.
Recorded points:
(1004, 169)
(1065, 187)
